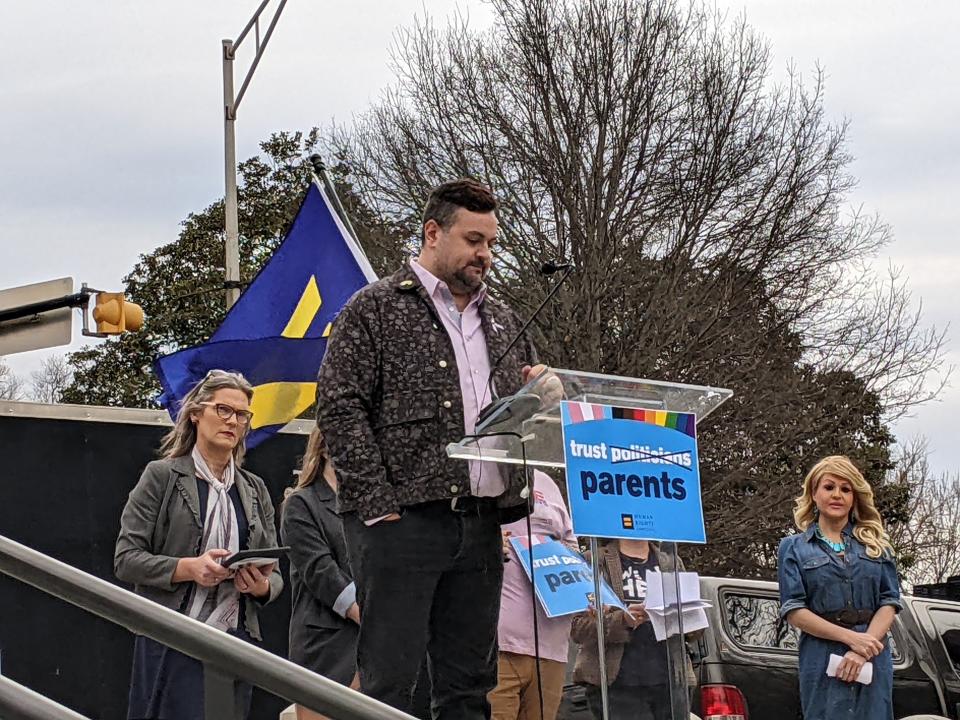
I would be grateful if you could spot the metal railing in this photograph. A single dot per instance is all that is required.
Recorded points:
(224, 658)
(20, 703)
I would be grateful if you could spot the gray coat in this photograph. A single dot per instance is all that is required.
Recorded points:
(161, 523)
(320, 639)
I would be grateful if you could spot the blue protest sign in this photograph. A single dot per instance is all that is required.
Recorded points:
(563, 579)
(632, 473)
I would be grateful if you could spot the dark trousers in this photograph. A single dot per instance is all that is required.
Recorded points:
(629, 702)
(429, 583)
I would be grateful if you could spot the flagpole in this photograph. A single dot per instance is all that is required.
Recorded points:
(231, 103)
(320, 172)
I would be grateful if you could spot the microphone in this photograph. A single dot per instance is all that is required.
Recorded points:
(551, 266)
(548, 268)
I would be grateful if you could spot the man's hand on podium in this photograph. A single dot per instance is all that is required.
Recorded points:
(550, 389)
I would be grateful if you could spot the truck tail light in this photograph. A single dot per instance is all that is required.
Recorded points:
(723, 702)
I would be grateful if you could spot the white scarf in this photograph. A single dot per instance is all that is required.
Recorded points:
(218, 606)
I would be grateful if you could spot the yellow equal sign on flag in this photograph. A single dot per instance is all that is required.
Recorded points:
(307, 308)
(280, 402)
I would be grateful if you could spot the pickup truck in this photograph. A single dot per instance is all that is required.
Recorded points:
(746, 661)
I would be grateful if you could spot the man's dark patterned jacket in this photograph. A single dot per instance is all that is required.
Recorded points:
(389, 400)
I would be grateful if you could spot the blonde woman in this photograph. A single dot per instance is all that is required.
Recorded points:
(838, 586)
(190, 510)
(325, 619)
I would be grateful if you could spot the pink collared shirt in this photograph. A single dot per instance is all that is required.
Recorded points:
(473, 365)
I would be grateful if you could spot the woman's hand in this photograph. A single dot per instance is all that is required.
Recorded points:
(609, 610)
(353, 613)
(506, 545)
(864, 644)
(849, 668)
(254, 580)
(204, 570)
(638, 612)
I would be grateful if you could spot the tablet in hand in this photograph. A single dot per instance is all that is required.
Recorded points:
(257, 556)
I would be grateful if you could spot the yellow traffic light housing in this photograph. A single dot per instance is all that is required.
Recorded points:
(115, 315)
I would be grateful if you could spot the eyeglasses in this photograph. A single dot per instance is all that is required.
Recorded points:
(225, 412)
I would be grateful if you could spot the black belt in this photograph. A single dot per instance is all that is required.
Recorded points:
(848, 617)
(462, 505)
(469, 504)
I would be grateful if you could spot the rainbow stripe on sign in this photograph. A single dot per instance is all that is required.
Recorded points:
(585, 412)
(681, 422)
(527, 541)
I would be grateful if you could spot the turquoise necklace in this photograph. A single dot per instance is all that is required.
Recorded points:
(837, 547)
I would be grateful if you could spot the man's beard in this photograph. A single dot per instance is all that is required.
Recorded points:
(467, 281)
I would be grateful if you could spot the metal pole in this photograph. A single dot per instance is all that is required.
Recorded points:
(212, 647)
(219, 697)
(676, 647)
(231, 223)
(21, 703)
(261, 47)
(80, 299)
(320, 170)
(601, 643)
(230, 104)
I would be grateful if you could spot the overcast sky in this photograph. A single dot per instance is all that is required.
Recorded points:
(111, 126)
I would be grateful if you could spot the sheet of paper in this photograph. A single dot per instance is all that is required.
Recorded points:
(657, 589)
(689, 588)
(866, 672)
(664, 615)
(665, 624)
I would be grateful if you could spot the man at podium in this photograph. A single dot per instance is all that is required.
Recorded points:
(411, 361)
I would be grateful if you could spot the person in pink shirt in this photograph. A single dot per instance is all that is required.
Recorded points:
(516, 696)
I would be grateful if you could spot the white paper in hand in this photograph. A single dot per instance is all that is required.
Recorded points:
(662, 605)
(866, 672)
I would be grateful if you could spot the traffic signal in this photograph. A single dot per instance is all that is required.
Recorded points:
(114, 315)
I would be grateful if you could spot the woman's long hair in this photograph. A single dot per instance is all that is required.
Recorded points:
(315, 459)
(183, 437)
(867, 523)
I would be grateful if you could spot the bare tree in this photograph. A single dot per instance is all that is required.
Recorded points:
(48, 383)
(11, 386)
(706, 210)
(624, 131)
(929, 541)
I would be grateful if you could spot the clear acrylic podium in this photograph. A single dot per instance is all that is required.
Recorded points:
(525, 428)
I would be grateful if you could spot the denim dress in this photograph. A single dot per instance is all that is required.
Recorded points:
(813, 576)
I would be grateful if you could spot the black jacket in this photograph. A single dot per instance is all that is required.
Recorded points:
(389, 400)
(320, 639)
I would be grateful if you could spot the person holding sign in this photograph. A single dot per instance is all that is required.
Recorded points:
(839, 587)
(636, 662)
(517, 696)
(197, 496)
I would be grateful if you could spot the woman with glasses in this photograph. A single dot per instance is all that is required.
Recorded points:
(189, 511)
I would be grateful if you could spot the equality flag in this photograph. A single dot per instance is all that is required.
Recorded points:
(276, 333)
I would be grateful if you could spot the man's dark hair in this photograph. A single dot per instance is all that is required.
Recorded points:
(446, 199)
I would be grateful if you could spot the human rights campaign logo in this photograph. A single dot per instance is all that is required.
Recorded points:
(632, 473)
